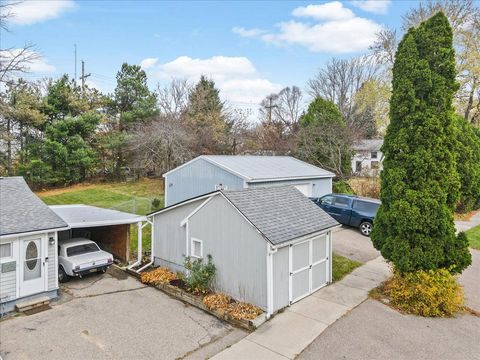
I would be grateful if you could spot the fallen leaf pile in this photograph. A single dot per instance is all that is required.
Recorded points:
(237, 310)
(157, 276)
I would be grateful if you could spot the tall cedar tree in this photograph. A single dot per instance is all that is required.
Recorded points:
(205, 119)
(414, 226)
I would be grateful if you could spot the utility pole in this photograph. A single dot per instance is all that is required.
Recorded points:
(270, 107)
(84, 76)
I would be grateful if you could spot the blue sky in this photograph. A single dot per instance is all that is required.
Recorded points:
(249, 48)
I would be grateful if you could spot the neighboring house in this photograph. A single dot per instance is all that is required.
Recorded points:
(208, 173)
(367, 159)
(28, 244)
(29, 235)
(271, 245)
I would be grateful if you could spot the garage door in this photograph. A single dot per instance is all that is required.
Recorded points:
(309, 267)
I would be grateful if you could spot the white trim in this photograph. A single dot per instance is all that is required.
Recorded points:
(192, 241)
(184, 221)
(185, 202)
(269, 259)
(36, 232)
(106, 223)
(7, 258)
(307, 237)
(306, 177)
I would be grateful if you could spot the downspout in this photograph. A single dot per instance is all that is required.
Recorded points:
(270, 253)
(152, 242)
(139, 244)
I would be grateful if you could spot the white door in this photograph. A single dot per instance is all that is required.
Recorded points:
(309, 267)
(305, 189)
(32, 274)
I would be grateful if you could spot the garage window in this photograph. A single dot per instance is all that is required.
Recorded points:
(197, 248)
(5, 250)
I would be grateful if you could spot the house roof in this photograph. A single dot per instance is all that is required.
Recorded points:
(368, 145)
(280, 213)
(263, 168)
(21, 211)
(78, 216)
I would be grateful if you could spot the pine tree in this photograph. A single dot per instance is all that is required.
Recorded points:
(414, 227)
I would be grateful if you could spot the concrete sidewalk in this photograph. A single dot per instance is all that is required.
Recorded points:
(288, 333)
(467, 225)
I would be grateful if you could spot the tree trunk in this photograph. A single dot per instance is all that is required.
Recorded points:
(9, 148)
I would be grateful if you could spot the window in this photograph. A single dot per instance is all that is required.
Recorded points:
(342, 201)
(326, 200)
(221, 187)
(373, 155)
(366, 206)
(82, 249)
(358, 167)
(5, 250)
(374, 165)
(197, 248)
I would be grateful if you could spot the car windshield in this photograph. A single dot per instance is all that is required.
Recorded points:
(366, 206)
(82, 249)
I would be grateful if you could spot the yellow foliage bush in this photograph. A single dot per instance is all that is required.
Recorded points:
(157, 276)
(432, 293)
(236, 309)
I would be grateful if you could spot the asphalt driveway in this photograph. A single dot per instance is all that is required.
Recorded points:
(350, 243)
(114, 316)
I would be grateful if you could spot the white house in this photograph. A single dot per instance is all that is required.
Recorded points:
(28, 245)
(367, 158)
(208, 173)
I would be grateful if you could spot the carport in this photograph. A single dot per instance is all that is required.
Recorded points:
(110, 229)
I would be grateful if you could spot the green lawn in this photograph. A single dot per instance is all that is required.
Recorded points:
(134, 197)
(343, 266)
(474, 237)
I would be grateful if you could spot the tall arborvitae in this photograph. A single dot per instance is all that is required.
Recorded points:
(414, 227)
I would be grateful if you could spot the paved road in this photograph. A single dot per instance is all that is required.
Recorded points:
(115, 317)
(350, 243)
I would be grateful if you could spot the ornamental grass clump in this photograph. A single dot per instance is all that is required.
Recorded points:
(431, 293)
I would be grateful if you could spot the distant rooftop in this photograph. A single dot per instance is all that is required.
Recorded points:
(88, 216)
(368, 145)
(21, 211)
(262, 168)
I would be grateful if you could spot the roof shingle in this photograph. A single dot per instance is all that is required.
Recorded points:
(280, 213)
(22, 211)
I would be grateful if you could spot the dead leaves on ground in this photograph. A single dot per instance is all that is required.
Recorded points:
(226, 305)
(158, 276)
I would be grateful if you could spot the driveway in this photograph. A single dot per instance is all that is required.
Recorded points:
(350, 243)
(114, 316)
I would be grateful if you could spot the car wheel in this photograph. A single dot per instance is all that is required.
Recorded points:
(62, 275)
(366, 228)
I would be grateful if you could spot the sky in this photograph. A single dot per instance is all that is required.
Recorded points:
(249, 48)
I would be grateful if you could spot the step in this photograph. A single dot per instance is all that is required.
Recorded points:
(32, 303)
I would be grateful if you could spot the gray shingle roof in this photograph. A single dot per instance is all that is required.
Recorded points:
(280, 213)
(253, 167)
(22, 211)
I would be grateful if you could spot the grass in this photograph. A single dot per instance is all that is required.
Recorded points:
(134, 197)
(343, 266)
(474, 237)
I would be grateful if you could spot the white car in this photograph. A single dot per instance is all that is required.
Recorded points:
(79, 256)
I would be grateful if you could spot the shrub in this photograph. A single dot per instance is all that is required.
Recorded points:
(433, 293)
(342, 187)
(157, 276)
(156, 203)
(366, 186)
(199, 275)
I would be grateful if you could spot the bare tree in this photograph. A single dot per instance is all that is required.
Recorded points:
(289, 106)
(172, 98)
(13, 60)
(340, 80)
(160, 145)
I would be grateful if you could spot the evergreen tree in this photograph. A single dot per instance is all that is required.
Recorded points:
(206, 120)
(468, 164)
(324, 139)
(414, 226)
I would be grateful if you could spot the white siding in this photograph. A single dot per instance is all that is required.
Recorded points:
(280, 279)
(52, 264)
(8, 285)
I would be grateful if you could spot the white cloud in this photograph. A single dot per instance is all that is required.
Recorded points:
(148, 63)
(236, 77)
(329, 11)
(37, 63)
(373, 6)
(34, 11)
(247, 33)
(335, 29)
